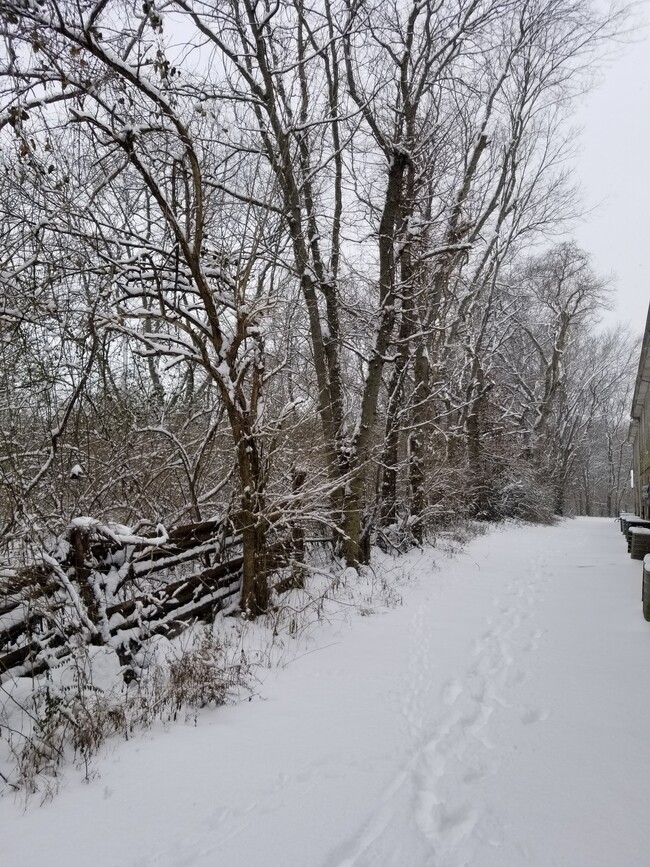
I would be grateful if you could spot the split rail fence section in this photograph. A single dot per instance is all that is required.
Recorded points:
(107, 585)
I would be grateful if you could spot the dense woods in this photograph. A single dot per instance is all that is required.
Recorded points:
(276, 274)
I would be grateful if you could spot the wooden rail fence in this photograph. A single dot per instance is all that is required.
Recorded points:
(108, 585)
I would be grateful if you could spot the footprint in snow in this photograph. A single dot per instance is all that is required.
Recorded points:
(451, 691)
(532, 715)
(479, 773)
(520, 677)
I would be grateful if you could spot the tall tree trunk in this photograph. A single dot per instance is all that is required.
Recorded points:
(354, 550)
(421, 418)
(390, 456)
(255, 590)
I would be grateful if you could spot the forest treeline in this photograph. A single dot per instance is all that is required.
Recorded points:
(304, 263)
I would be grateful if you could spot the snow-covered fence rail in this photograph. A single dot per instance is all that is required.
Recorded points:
(106, 584)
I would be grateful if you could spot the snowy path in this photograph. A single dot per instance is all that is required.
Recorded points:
(499, 718)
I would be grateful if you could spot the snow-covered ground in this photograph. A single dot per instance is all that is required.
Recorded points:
(499, 718)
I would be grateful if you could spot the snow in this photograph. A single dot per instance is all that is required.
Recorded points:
(498, 718)
(83, 522)
(16, 615)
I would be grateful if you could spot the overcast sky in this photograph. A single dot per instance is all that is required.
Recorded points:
(614, 172)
